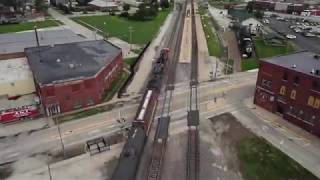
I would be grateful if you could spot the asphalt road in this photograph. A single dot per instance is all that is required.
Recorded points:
(306, 43)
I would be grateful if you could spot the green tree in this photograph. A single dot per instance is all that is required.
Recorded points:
(126, 7)
(40, 5)
(164, 4)
(250, 7)
(258, 14)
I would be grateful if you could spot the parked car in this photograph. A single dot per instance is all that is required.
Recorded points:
(297, 30)
(290, 36)
(307, 34)
(266, 21)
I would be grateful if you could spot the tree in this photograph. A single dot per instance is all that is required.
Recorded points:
(164, 4)
(40, 5)
(126, 7)
(250, 7)
(258, 14)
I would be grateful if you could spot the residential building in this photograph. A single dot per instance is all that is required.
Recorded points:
(289, 85)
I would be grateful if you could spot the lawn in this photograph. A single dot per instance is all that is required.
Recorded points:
(114, 26)
(115, 86)
(265, 51)
(211, 36)
(130, 61)
(8, 28)
(248, 64)
(259, 160)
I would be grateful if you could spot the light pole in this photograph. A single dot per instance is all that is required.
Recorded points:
(60, 137)
(130, 34)
(48, 165)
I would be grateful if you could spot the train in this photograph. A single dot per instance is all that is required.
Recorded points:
(130, 156)
(243, 35)
(16, 114)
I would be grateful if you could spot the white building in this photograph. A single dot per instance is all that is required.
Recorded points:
(16, 78)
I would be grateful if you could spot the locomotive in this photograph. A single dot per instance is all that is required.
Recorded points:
(130, 156)
(243, 34)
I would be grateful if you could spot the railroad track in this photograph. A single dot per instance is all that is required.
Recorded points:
(159, 146)
(193, 154)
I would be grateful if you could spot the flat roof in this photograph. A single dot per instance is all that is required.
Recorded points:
(303, 61)
(17, 42)
(72, 61)
(12, 70)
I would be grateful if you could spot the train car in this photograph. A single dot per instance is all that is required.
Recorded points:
(130, 156)
(16, 114)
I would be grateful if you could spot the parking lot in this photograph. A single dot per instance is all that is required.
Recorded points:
(304, 42)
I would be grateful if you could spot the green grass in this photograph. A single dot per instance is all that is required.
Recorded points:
(259, 160)
(80, 115)
(114, 26)
(211, 36)
(266, 51)
(115, 86)
(248, 64)
(130, 61)
(9, 28)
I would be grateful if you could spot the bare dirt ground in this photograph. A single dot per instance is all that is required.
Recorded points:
(218, 138)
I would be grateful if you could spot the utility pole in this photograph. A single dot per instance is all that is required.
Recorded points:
(130, 34)
(48, 165)
(37, 38)
(59, 131)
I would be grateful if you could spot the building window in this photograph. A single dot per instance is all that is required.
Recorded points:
(75, 87)
(285, 76)
(316, 86)
(310, 101)
(90, 102)
(50, 92)
(316, 103)
(77, 104)
(67, 96)
(296, 80)
(266, 83)
(293, 94)
(88, 84)
(283, 90)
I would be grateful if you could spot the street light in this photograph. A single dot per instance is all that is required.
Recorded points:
(130, 34)
(60, 137)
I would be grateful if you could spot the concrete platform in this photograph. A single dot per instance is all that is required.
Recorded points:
(186, 43)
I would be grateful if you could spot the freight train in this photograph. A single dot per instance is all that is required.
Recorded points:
(130, 156)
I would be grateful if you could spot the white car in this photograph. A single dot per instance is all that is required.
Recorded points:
(290, 36)
(297, 30)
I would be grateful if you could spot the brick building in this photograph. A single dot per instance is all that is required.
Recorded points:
(289, 85)
(75, 75)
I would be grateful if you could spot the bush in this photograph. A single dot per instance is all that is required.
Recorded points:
(126, 7)
(124, 14)
(164, 4)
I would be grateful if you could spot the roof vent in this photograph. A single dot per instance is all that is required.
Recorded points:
(316, 56)
(317, 72)
(71, 66)
(294, 66)
(58, 60)
(313, 71)
(52, 45)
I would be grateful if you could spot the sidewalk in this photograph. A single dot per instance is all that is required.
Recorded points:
(75, 27)
(24, 127)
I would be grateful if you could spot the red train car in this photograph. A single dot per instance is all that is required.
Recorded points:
(16, 114)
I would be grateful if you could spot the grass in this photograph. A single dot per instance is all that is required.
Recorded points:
(80, 115)
(114, 26)
(211, 36)
(9, 28)
(129, 62)
(115, 86)
(248, 64)
(266, 51)
(259, 160)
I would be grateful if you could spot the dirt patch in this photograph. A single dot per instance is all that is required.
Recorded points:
(219, 136)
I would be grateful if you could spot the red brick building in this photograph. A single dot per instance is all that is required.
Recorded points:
(75, 75)
(290, 86)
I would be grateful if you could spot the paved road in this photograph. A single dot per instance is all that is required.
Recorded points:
(75, 27)
(308, 43)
